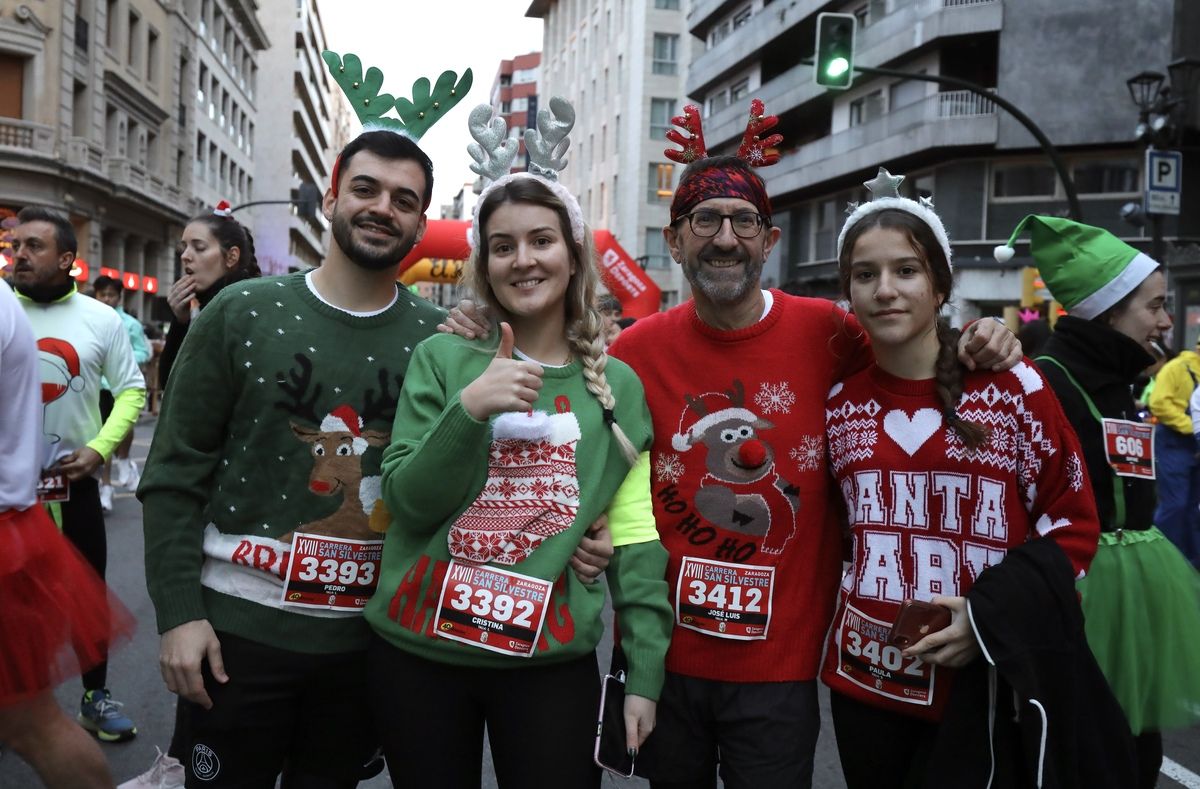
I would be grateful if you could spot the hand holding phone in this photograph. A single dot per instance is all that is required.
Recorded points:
(612, 752)
(915, 620)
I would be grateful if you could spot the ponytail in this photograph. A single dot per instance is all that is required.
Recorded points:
(949, 376)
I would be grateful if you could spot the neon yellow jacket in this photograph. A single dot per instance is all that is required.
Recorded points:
(1173, 389)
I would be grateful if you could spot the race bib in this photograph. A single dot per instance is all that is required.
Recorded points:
(1129, 447)
(724, 600)
(331, 572)
(53, 486)
(866, 659)
(492, 609)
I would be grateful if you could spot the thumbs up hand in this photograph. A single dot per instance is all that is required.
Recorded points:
(506, 385)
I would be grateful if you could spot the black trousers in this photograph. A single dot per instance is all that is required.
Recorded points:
(83, 525)
(541, 721)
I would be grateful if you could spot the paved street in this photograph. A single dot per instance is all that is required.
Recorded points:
(134, 679)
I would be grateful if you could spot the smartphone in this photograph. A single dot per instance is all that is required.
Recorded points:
(916, 620)
(611, 752)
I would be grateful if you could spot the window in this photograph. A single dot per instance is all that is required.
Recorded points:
(739, 90)
(1023, 180)
(661, 112)
(719, 34)
(660, 182)
(202, 85)
(718, 101)
(152, 56)
(666, 46)
(110, 24)
(867, 108)
(135, 34)
(741, 17)
(520, 105)
(1119, 176)
(656, 253)
(668, 5)
(505, 107)
(505, 80)
(81, 110)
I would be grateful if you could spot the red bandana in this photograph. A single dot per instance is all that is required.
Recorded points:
(720, 182)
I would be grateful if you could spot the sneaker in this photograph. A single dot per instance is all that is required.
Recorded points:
(106, 494)
(120, 471)
(102, 716)
(133, 475)
(165, 773)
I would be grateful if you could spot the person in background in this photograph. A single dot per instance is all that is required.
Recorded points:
(1141, 598)
(215, 250)
(1178, 468)
(107, 290)
(1033, 336)
(80, 341)
(610, 311)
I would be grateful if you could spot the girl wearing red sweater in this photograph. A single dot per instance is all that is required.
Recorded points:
(942, 470)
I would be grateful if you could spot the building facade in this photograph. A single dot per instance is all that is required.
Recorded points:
(302, 117)
(514, 98)
(983, 169)
(95, 113)
(623, 64)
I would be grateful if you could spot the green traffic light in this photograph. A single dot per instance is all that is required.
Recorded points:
(837, 67)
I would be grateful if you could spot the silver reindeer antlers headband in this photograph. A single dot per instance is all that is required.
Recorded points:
(494, 151)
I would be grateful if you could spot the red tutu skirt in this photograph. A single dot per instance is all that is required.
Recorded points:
(57, 617)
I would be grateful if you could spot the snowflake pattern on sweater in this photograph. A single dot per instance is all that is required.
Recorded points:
(928, 515)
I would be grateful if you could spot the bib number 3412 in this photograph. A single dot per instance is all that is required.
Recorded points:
(724, 600)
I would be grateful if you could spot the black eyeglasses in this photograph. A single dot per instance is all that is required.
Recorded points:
(706, 224)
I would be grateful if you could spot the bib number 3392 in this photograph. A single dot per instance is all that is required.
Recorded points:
(724, 600)
(492, 609)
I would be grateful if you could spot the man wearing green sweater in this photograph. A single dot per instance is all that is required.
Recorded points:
(261, 491)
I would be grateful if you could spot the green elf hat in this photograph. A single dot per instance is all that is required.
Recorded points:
(1087, 269)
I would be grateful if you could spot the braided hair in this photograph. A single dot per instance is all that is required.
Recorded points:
(949, 371)
(585, 327)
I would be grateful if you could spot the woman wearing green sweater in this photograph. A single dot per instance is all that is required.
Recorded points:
(501, 457)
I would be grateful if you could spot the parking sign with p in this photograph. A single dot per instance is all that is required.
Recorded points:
(1164, 178)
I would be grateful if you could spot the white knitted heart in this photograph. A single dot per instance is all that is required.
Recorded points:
(911, 433)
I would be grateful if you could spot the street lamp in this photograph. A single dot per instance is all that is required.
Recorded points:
(1144, 89)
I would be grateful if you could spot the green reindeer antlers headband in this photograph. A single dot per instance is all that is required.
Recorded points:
(416, 116)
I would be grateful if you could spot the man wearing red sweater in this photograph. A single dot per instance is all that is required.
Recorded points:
(736, 380)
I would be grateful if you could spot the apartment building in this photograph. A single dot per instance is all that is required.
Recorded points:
(229, 40)
(622, 63)
(1064, 64)
(94, 112)
(302, 118)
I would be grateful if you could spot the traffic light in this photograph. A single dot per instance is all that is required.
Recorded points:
(834, 58)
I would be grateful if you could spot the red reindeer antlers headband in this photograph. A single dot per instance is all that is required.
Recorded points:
(754, 149)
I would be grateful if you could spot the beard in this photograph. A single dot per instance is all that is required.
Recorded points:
(723, 286)
(373, 257)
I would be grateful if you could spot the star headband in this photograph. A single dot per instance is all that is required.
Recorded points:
(885, 194)
(416, 115)
(494, 151)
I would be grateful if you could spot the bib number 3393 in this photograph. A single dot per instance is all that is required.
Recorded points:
(724, 600)
(332, 572)
(492, 609)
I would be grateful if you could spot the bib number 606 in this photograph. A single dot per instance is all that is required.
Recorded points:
(499, 607)
(330, 571)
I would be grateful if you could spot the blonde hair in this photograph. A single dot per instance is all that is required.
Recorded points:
(585, 327)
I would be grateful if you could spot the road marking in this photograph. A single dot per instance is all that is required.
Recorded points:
(1180, 774)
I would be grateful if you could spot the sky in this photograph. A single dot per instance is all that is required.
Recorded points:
(407, 39)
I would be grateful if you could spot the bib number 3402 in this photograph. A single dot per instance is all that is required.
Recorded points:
(866, 659)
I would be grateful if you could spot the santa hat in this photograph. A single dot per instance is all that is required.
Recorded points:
(345, 419)
(718, 408)
(885, 194)
(1086, 269)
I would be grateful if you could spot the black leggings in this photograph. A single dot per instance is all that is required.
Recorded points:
(541, 721)
(880, 749)
(83, 525)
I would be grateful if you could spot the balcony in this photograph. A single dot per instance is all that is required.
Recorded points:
(26, 136)
(943, 120)
(127, 173)
(908, 28)
(85, 154)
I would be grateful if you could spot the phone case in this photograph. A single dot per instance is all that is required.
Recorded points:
(610, 752)
(916, 620)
